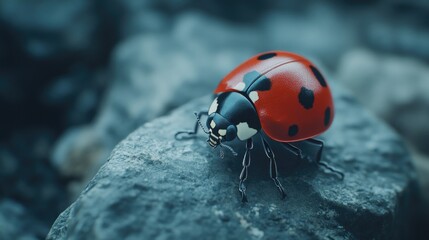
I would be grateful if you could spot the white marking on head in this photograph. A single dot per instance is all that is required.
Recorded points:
(244, 131)
(212, 124)
(240, 86)
(213, 106)
(222, 132)
(254, 96)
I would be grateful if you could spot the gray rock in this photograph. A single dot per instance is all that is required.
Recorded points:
(156, 187)
(79, 154)
(421, 163)
(395, 88)
(77, 94)
(312, 32)
(26, 174)
(49, 28)
(8, 164)
(399, 31)
(17, 223)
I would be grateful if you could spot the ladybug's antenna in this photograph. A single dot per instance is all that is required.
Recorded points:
(227, 147)
(199, 123)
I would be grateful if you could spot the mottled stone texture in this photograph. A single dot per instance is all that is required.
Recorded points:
(154, 186)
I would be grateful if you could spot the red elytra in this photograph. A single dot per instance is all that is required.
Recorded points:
(299, 103)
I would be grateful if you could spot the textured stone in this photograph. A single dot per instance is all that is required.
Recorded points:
(155, 186)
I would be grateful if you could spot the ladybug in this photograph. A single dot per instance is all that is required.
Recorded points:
(278, 93)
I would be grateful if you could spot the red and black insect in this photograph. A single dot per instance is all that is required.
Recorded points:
(279, 93)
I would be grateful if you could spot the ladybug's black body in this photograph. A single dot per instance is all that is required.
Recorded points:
(224, 119)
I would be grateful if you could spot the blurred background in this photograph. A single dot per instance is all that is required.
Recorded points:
(77, 76)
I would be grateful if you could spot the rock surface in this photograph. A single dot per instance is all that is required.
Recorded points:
(154, 186)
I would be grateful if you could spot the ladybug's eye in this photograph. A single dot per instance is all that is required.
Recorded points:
(231, 133)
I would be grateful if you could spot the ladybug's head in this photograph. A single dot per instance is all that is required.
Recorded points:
(220, 129)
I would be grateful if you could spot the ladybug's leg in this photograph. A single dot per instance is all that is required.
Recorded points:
(243, 174)
(191, 133)
(320, 144)
(319, 157)
(291, 148)
(273, 167)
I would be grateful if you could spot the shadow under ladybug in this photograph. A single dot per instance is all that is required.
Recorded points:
(278, 96)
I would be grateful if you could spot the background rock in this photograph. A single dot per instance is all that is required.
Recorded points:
(160, 187)
(406, 102)
(51, 56)
(14, 218)
(69, 27)
(27, 175)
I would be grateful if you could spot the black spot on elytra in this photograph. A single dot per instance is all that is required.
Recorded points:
(267, 56)
(319, 76)
(261, 84)
(249, 77)
(293, 130)
(306, 98)
(327, 116)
